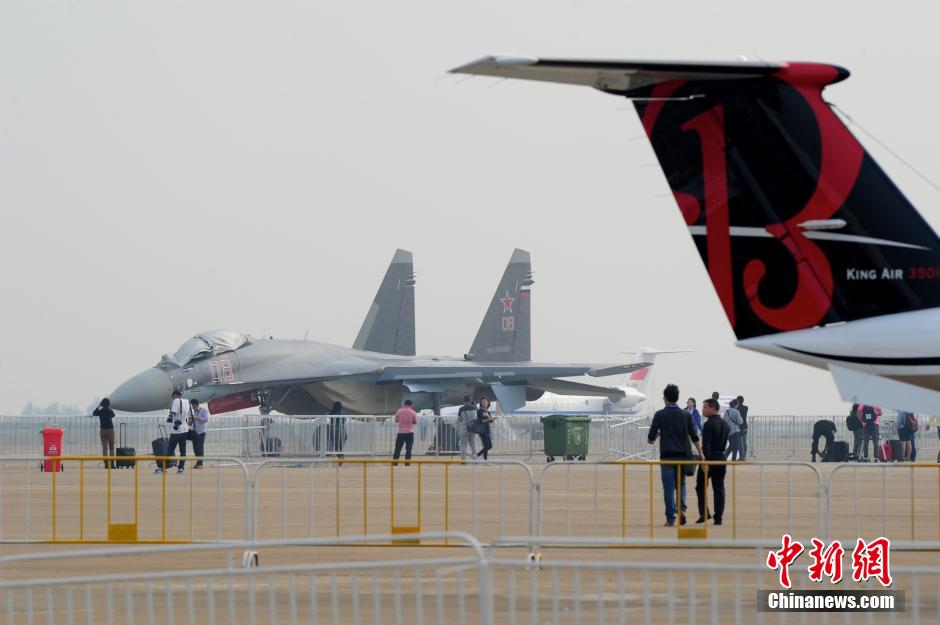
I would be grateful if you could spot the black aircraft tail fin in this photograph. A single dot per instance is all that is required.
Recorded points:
(389, 326)
(796, 223)
(505, 334)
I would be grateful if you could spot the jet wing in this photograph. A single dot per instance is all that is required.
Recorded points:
(508, 373)
(611, 76)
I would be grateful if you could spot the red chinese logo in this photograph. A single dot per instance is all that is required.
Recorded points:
(784, 558)
(869, 560)
(827, 561)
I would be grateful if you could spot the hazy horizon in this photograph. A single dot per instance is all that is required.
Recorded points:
(167, 168)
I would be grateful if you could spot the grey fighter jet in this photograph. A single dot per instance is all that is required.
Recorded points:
(232, 371)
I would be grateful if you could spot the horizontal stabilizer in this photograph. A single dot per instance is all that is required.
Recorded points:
(618, 369)
(860, 387)
(612, 76)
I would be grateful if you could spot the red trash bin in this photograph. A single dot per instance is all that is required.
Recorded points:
(52, 446)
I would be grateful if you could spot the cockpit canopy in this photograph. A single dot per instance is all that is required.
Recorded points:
(206, 344)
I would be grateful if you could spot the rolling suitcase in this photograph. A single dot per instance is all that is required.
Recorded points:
(897, 452)
(123, 449)
(160, 445)
(884, 453)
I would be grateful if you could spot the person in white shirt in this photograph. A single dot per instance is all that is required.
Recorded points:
(200, 418)
(180, 414)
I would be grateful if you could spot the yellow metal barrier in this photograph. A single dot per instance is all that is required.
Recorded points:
(417, 496)
(585, 499)
(98, 506)
(883, 505)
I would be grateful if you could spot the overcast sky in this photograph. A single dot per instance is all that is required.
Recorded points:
(169, 167)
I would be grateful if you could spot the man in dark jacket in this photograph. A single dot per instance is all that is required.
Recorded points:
(824, 428)
(715, 434)
(674, 427)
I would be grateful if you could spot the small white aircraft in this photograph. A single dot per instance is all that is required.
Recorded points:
(634, 386)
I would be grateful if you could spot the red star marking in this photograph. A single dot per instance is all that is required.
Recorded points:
(507, 303)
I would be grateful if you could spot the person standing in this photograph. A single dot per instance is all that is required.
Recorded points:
(336, 430)
(824, 428)
(696, 417)
(406, 418)
(484, 418)
(106, 432)
(907, 429)
(714, 438)
(733, 419)
(854, 424)
(869, 416)
(742, 410)
(424, 424)
(674, 428)
(179, 432)
(465, 416)
(200, 419)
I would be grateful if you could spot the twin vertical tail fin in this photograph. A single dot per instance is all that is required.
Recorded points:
(389, 326)
(505, 334)
(795, 222)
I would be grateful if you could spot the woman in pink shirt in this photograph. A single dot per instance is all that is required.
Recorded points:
(406, 418)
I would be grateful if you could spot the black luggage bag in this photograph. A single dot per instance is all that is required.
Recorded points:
(160, 447)
(123, 449)
(897, 451)
(838, 453)
(271, 447)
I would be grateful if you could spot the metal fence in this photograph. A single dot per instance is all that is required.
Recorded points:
(295, 498)
(312, 498)
(247, 436)
(625, 499)
(88, 502)
(790, 436)
(213, 585)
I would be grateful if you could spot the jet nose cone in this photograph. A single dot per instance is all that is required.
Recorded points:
(145, 392)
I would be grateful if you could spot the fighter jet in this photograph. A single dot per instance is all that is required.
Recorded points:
(232, 371)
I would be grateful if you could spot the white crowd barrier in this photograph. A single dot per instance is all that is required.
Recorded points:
(276, 582)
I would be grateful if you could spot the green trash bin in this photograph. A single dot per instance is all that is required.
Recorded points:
(566, 435)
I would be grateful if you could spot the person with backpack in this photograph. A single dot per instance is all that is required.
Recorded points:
(674, 428)
(466, 419)
(854, 425)
(735, 423)
(869, 416)
(907, 425)
(180, 416)
(742, 410)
